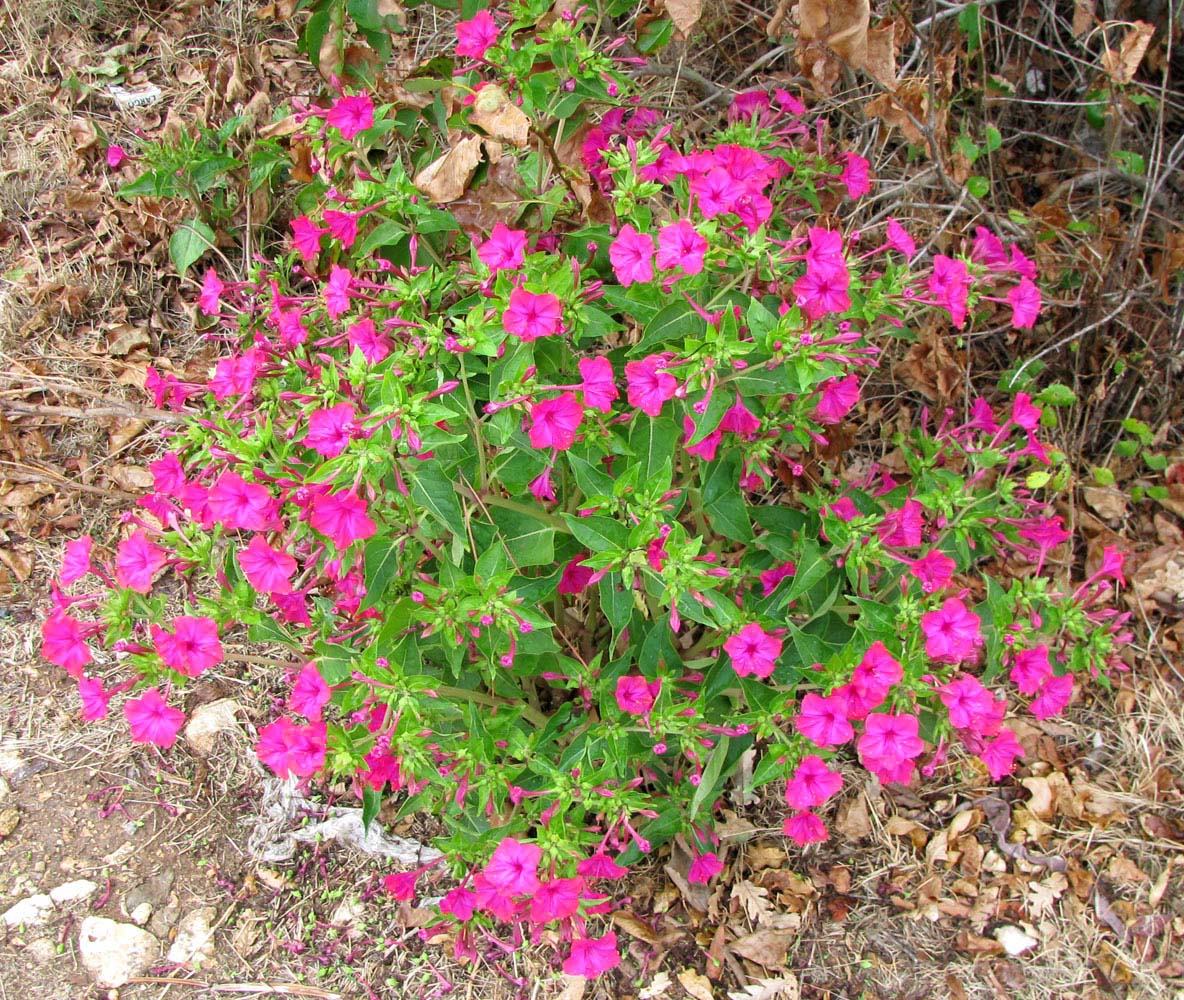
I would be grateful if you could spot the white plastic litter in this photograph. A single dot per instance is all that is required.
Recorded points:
(126, 99)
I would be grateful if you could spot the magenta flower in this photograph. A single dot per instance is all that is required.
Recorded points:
(967, 701)
(952, 633)
(876, 673)
(1055, 693)
(902, 528)
(889, 739)
(838, 396)
(330, 430)
(855, 176)
(541, 487)
(343, 226)
(598, 384)
(152, 721)
(306, 237)
(268, 570)
(950, 286)
(812, 784)
(235, 376)
(168, 476)
(351, 115)
(823, 289)
(210, 300)
(94, 698)
(76, 561)
(647, 386)
(805, 828)
(707, 447)
(337, 291)
(136, 562)
(364, 336)
(63, 642)
(513, 868)
(739, 419)
(601, 866)
(1000, 754)
(115, 156)
(341, 517)
(823, 721)
(505, 250)
(704, 868)
(632, 256)
(554, 422)
(753, 651)
(1024, 412)
(530, 316)
(288, 748)
(591, 956)
(934, 570)
(475, 36)
(401, 885)
(576, 576)
(681, 245)
(771, 578)
(1030, 669)
(556, 900)
(235, 504)
(899, 239)
(1024, 299)
(636, 695)
(459, 903)
(192, 647)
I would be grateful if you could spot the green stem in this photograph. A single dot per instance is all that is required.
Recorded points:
(531, 715)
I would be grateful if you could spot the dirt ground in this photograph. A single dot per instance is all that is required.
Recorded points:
(1066, 882)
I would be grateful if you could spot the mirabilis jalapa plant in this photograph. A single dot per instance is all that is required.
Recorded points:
(529, 517)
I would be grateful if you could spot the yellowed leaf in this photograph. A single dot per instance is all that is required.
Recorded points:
(497, 115)
(445, 179)
(698, 986)
(1121, 65)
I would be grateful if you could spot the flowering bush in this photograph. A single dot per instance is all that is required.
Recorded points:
(539, 522)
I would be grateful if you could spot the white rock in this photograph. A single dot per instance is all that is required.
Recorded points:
(29, 912)
(73, 892)
(112, 953)
(194, 944)
(141, 914)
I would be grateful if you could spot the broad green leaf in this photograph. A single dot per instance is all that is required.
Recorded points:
(188, 244)
(722, 502)
(529, 540)
(598, 533)
(670, 327)
(432, 489)
(652, 440)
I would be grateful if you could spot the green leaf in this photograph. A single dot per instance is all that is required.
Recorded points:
(970, 20)
(1058, 394)
(188, 244)
(616, 601)
(978, 186)
(371, 803)
(384, 234)
(993, 138)
(433, 490)
(710, 419)
(711, 777)
(652, 440)
(812, 567)
(529, 540)
(670, 327)
(598, 533)
(382, 566)
(722, 502)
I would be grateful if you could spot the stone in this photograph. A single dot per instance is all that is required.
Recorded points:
(42, 951)
(73, 892)
(112, 953)
(155, 890)
(32, 911)
(194, 943)
(141, 914)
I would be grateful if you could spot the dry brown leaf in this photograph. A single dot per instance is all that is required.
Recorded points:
(500, 117)
(1122, 65)
(685, 14)
(904, 109)
(853, 821)
(785, 987)
(753, 898)
(573, 987)
(445, 179)
(1083, 16)
(1108, 502)
(767, 948)
(208, 720)
(17, 560)
(25, 495)
(698, 986)
(819, 65)
(759, 856)
(880, 60)
(632, 925)
(120, 339)
(839, 24)
(130, 478)
(122, 431)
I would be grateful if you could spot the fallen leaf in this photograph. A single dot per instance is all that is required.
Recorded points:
(759, 856)
(25, 495)
(840, 24)
(131, 478)
(685, 14)
(445, 178)
(500, 117)
(657, 987)
(853, 820)
(880, 60)
(754, 899)
(208, 721)
(573, 987)
(1109, 503)
(21, 563)
(783, 988)
(1122, 65)
(1083, 17)
(767, 948)
(632, 925)
(698, 986)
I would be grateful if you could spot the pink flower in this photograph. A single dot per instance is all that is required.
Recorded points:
(1030, 669)
(632, 256)
(899, 239)
(94, 698)
(805, 828)
(753, 651)
(555, 422)
(541, 487)
(192, 647)
(839, 395)
(401, 885)
(310, 693)
(136, 562)
(364, 336)
(647, 387)
(115, 156)
(934, 569)
(576, 576)
(288, 748)
(704, 868)
(63, 642)
(152, 721)
(343, 226)
(878, 671)
(601, 866)
(823, 721)
(952, 633)
(505, 250)
(556, 900)
(889, 739)
(636, 695)
(771, 578)
(351, 115)
(210, 300)
(823, 289)
(812, 784)
(341, 517)
(1054, 694)
(337, 291)
(306, 237)
(950, 286)
(591, 956)
(598, 384)
(475, 36)
(739, 419)
(1024, 412)
(844, 509)
(268, 570)
(235, 376)
(1000, 754)
(236, 504)
(168, 476)
(330, 430)
(855, 175)
(1025, 304)
(902, 528)
(76, 561)
(681, 245)
(514, 867)
(460, 903)
(706, 447)
(530, 316)
(967, 701)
